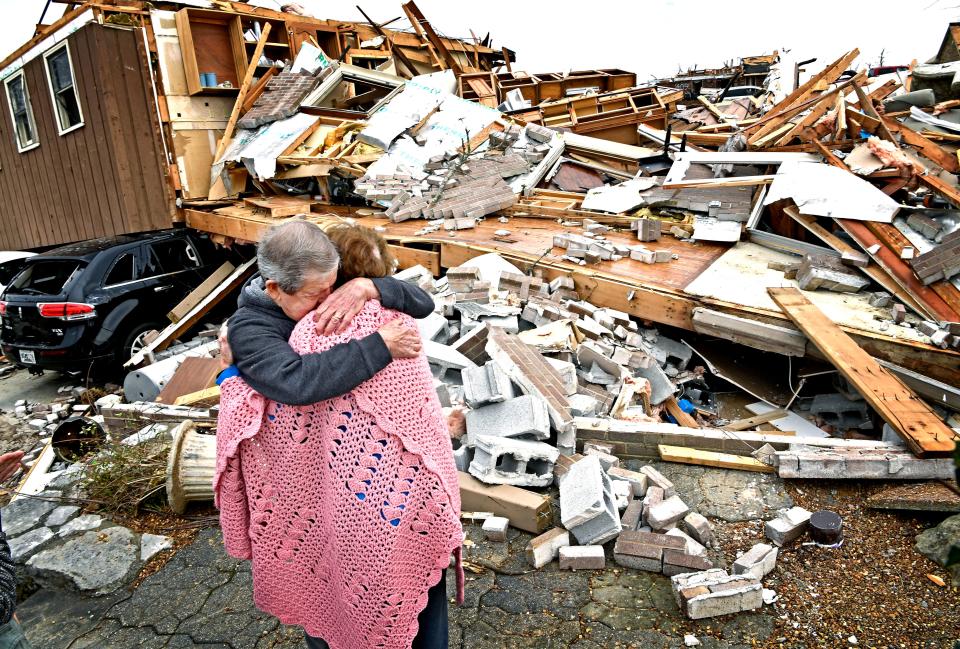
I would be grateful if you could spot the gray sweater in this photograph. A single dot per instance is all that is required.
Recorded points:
(259, 334)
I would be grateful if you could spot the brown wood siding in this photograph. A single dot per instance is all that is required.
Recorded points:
(108, 176)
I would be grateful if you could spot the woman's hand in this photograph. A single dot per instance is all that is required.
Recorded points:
(9, 463)
(401, 340)
(338, 309)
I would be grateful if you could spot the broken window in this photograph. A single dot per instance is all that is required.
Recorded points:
(66, 105)
(124, 270)
(351, 90)
(170, 257)
(25, 128)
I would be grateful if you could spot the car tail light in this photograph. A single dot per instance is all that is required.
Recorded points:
(3, 308)
(67, 310)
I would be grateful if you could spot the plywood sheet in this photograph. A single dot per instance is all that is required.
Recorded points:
(740, 276)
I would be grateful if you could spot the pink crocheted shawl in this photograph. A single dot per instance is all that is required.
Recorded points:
(349, 508)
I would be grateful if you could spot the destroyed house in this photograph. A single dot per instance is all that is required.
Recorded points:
(111, 116)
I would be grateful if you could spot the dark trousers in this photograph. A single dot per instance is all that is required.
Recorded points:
(433, 633)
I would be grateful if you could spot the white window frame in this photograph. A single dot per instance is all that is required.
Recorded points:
(53, 97)
(13, 118)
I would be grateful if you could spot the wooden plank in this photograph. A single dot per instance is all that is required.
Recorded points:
(279, 206)
(756, 420)
(912, 419)
(203, 398)
(195, 373)
(709, 183)
(407, 257)
(193, 298)
(242, 94)
(936, 153)
(712, 458)
(683, 418)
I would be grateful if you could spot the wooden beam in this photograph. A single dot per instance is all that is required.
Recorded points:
(756, 420)
(931, 150)
(683, 418)
(422, 25)
(712, 458)
(400, 56)
(912, 419)
(242, 95)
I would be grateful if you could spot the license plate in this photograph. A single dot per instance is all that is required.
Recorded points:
(28, 356)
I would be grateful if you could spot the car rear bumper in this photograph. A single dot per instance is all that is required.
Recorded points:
(61, 360)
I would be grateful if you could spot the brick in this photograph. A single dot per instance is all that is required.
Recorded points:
(787, 527)
(543, 549)
(587, 508)
(582, 557)
(697, 526)
(677, 562)
(662, 515)
(657, 479)
(726, 594)
(530, 370)
(828, 273)
(630, 519)
(495, 528)
(647, 229)
(607, 461)
(517, 462)
(636, 479)
(758, 561)
(693, 546)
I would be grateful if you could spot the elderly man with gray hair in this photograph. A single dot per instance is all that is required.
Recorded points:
(298, 270)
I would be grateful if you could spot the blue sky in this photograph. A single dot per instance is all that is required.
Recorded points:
(651, 38)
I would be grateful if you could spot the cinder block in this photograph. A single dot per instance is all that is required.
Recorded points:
(488, 384)
(657, 479)
(543, 549)
(462, 457)
(518, 462)
(666, 513)
(587, 507)
(495, 528)
(582, 557)
(648, 229)
(789, 526)
(607, 461)
(523, 415)
(758, 561)
(562, 466)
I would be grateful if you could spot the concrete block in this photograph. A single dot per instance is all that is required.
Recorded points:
(697, 526)
(582, 557)
(790, 525)
(587, 507)
(543, 549)
(444, 357)
(462, 457)
(657, 479)
(568, 372)
(758, 561)
(495, 528)
(622, 493)
(518, 462)
(661, 387)
(488, 384)
(842, 413)
(562, 466)
(523, 415)
(665, 513)
(637, 480)
(648, 229)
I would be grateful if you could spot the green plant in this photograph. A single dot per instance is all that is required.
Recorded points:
(125, 478)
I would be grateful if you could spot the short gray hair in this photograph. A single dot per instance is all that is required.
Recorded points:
(290, 251)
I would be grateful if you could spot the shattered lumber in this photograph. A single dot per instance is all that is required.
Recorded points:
(912, 419)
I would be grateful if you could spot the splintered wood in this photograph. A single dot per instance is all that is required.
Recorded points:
(910, 417)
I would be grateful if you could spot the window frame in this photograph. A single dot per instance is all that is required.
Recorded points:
(53, 95)
(13, 117)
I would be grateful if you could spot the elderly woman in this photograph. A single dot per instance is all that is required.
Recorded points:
(298, 269)
(349, 508)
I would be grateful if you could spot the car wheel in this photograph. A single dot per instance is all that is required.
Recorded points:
(134, 341)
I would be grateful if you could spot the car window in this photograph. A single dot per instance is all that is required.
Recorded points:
(170, 256)
(124, 270)
(46, 277)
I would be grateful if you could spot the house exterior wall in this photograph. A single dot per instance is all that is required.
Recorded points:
(105, 177)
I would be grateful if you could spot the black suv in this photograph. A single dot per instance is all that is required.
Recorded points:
(90, 303)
